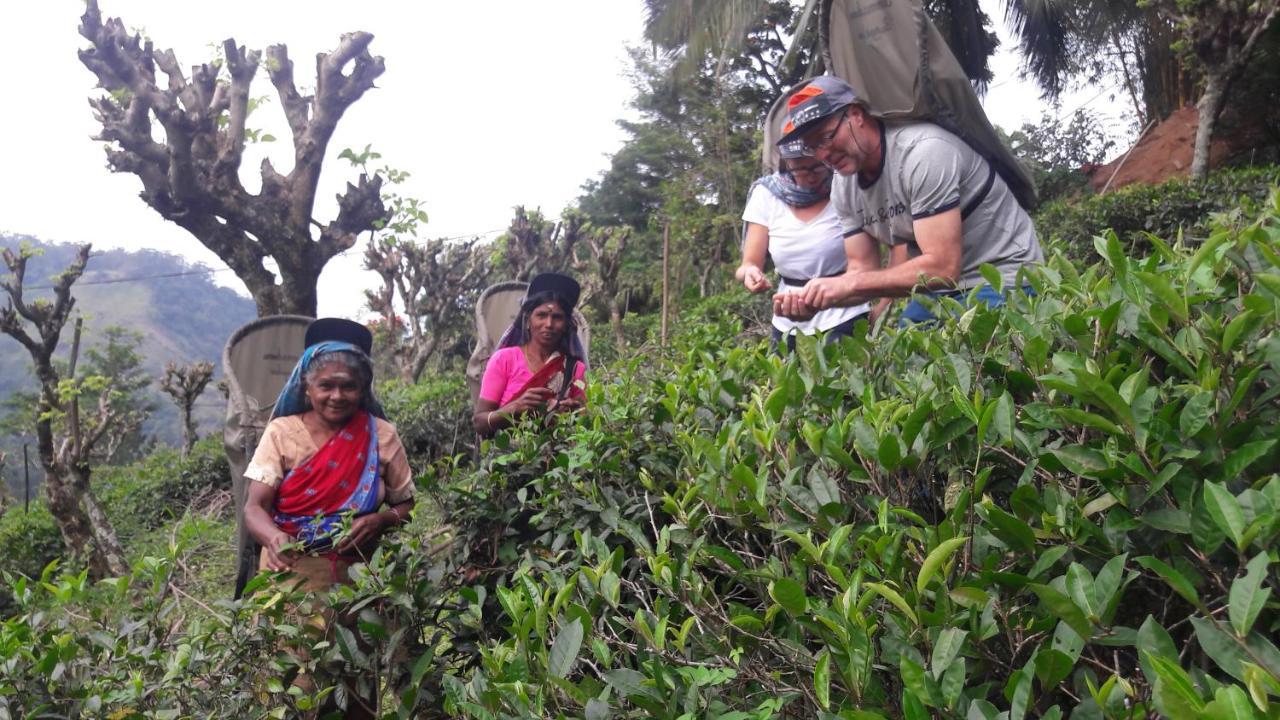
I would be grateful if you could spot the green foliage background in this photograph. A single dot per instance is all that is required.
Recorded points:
(1064, 507)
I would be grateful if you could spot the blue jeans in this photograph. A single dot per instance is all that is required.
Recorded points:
(920, 311)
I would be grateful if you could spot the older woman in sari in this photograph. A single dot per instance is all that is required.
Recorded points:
(328, 457)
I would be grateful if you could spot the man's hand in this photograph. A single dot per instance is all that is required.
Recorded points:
(278, 557)
(791, 305)
(364, 530)
(829, 292)
(753, 278)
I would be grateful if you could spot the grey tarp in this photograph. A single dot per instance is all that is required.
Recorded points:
(257, 361)
(894, 57)
(495, 311)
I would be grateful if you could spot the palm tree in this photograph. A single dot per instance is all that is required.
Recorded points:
(1061, 40)
(695, 29)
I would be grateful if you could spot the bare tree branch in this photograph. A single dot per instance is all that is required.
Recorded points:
(192, 177)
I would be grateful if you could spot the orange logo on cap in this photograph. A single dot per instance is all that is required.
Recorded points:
(803, 94)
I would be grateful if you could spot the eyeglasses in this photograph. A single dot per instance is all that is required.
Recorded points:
(824, 142)
(812, 171)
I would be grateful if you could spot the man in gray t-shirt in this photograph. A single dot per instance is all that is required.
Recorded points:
(939, 206)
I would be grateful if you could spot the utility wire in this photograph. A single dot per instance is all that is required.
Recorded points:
(210, 271)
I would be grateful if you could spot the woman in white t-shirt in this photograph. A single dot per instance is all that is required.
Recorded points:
(789, 218)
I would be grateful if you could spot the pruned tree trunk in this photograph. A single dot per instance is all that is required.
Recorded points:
(616, 309)
(71, 517)
(1223, 35)
(86, 530)
(192, 177)
(534, 244)
(185, 383)
(1212, 100)
(433, 281)
(106, 542)
(600, 274)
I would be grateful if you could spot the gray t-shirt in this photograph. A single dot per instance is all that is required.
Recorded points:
(928, 171)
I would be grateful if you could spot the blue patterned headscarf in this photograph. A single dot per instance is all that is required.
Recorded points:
(785, 188)
(293, 396)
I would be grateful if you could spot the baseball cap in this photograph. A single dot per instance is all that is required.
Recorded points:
(821, 97)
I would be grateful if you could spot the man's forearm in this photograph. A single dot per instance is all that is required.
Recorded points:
(900, 280)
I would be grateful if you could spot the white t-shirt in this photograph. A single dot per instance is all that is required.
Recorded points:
(802, 250)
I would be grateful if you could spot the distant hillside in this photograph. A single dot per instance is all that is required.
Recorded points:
(180, 313)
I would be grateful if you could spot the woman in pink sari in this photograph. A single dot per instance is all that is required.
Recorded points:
(538, 366)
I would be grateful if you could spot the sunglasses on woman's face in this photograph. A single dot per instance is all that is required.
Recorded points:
(808, 171)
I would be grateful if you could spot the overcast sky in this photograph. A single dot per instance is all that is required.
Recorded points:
(488, 104)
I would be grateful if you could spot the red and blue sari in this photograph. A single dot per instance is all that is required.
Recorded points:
(340, 479)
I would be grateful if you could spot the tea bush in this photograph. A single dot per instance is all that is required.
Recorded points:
(433, 417)
(139, 497)
(1063, 507)
(1165, 210)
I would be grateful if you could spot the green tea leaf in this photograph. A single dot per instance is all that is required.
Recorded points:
(1172, 577)
(893, 597)
(1107, 582)
(1240, 326)
(1093, 420)
(969, 597)
(1063, 608)
(1204, 529)
(936, 559)
(564, 651)
(1018, 691)
(890, 451)
(822, 679)
(918, 682)
(1225, 510)
(1052, 667)
(1172, 300)
(1260, 684)
(595, 709)
(912, 707)
(982, 710)
(1080, 585)
(1195, 414)
(952, 684)
(776, 402)
(1175, 695)
(947, 648)
(992, 276)
(1153, 639)
(1248, 596)
(1015, 533)
(1225, 650)
(1047, 560)
(1082, 460)
(1229, 703)
(1241, 458)
(790, 595)
(1003, 419)
(1169, 520)
(630, 683)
